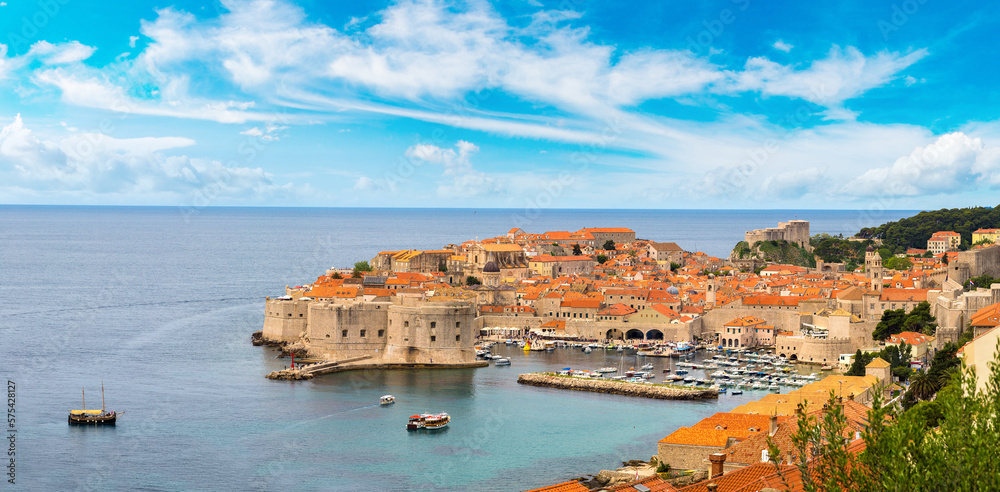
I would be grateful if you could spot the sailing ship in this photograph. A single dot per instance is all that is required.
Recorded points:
(93, 417)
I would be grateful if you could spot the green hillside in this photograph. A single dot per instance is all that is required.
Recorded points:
(913, 232)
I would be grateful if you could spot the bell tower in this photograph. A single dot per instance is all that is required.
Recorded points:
(873, 269)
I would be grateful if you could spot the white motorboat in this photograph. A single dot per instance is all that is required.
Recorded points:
(387, 400)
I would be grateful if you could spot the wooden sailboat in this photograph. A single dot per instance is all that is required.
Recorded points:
(93, 417)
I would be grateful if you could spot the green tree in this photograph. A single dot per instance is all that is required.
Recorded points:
(674, 266)
(360, 267)
(861, 359)
(891, 324)
(920, 319)
(470, 280)
(895, 263)
(980, 281)
(609, 245)
(601, 259)
(336, 275)
(576, 250)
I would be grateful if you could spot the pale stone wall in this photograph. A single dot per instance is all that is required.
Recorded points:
(783, 319)
(348, 329)
(431, 334)
(684, 456)
(598, 330)
(284, 321)
(975, 262)
(813, 350)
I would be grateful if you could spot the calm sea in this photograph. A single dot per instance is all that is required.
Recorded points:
(158, 304)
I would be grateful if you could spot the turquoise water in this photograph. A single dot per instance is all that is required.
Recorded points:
(159, 306)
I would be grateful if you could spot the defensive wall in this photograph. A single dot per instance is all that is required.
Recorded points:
(404, 331)
(975, 262)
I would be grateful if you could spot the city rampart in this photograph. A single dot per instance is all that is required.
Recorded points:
(284, 320)
(975, 262)
(430, 334)
(813, 350)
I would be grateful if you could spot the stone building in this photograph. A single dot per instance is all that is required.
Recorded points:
(621, 235)
(561, 266)
(942, 241)
(402, 331)
(793, 231)
(873, 269)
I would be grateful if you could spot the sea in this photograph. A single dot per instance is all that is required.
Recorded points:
(157, 305)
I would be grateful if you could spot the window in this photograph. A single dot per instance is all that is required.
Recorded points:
(363, 333)
(343, 333)
(434, 324)
(328, 335)
(381, 333)
(458, 338)
(433, 338)
(300, 315)
(406, 324)
(458, 324)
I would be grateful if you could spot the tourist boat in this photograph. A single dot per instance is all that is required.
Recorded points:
(387, 400)
(437, 421)
(93, 417)
(417, 421)
(503, 362)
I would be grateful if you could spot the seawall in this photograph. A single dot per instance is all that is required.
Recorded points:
(616, 387)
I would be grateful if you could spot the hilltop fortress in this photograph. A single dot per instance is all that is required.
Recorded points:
(793, 231)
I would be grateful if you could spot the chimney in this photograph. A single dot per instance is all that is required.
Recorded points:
(774, 425)
(712, 487)
(718, 461)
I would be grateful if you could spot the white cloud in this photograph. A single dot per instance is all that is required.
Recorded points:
(267, 134)
(364, 183)
(782, 46)
(954, 163)
(464, 181)
(842, 75)
(132, 40)
(59, 54)
(102, 165)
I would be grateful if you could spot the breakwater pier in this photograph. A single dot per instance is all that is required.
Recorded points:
(658, 391)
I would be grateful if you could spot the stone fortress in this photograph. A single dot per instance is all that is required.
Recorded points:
(397, 332)
(793, 231)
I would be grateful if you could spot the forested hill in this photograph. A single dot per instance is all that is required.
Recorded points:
(913, 232)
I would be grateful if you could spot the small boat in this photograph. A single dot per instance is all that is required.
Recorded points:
(647, 367)
(503, 362)
(587, 350)
(437, 421)
(93, 417)
(606, 369)
(736, 392)
(387, 400)
(826, 367)
(417, 421)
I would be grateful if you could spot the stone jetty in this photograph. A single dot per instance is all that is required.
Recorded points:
(663, 392)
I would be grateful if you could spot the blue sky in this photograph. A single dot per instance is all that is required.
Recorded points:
(519, 104)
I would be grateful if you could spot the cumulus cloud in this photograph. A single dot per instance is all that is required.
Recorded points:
(267, 134)
(464, 181)
(59, 54)
(954, 163)
(132, 40)
(102, 165)
(793, 184)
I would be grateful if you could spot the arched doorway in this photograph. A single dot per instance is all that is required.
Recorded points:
(614, 334)
(654, 334)
(634, 334)
(794, 357)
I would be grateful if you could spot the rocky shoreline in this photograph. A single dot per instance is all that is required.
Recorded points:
(616, 387)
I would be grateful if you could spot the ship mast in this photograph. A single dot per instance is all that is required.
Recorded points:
(102, 397)
(84, 394)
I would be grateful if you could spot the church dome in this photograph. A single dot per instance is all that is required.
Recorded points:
(870, 248)
(673, 290)
(491, 267)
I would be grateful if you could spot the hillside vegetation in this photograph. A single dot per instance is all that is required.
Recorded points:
(913, 232)
(781, 252)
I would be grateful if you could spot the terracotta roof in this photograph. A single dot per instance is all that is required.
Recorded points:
(618, 309)
(910, 338)
(572, 486)
(744, 321)
(739, 479)
(653, 484)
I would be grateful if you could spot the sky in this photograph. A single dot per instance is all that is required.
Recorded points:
(516, 104)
